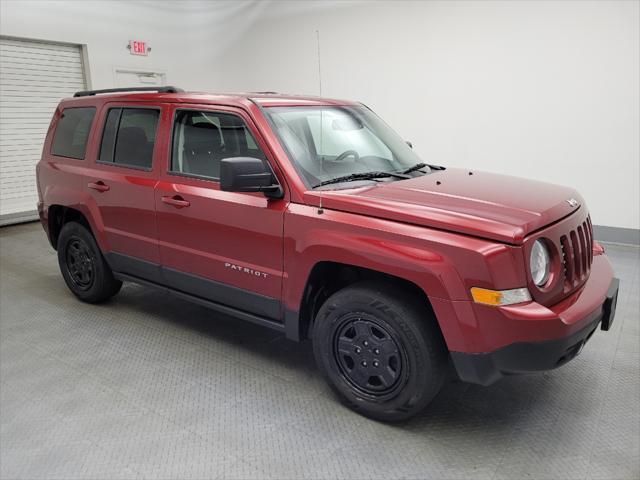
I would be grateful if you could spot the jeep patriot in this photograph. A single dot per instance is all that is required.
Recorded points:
(312, 217)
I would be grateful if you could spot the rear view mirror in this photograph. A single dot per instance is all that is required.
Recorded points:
(247, 174)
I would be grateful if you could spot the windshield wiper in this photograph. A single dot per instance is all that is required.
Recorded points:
(418, 166)
(361, 176)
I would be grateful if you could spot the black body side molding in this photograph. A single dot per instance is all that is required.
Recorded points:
(227, 299)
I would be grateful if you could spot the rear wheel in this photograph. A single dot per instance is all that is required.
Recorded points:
(380, 349)
(83, 267)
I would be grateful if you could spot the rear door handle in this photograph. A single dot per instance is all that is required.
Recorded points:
(177, 201)
(99, 186)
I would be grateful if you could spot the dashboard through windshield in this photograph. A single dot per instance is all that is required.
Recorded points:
(332, 142)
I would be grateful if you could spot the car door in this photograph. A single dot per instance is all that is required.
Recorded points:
(225, 247)
(121, 185)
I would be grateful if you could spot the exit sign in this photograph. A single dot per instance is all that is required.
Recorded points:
(137, 47)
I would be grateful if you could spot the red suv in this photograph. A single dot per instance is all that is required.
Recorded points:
(312, 217)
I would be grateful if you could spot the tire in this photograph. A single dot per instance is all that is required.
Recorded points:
(83, 267)
(380, 349)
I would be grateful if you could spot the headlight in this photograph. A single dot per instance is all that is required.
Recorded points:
(539, 263)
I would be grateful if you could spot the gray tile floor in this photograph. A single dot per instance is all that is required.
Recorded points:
(147, 386)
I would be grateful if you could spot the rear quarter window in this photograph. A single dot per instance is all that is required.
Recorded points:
(72, 132)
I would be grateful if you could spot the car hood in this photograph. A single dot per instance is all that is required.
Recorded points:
(486, 205)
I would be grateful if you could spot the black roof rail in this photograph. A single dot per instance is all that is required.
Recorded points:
(168, 89)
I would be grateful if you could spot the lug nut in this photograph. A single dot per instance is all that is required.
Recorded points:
(376, 351)
(364, 363)
(376, 363)
(358, 350)
(365, 343)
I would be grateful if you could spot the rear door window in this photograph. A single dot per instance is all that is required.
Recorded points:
(129, 137)
(72, 132)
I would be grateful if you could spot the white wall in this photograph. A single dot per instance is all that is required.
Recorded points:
(184, 36)
(546, 90)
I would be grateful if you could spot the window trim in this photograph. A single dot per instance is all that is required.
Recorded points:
(214, 111)
(104, 125)
(86, 145)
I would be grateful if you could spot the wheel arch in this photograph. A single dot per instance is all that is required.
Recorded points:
(58, 216)
(328, 277)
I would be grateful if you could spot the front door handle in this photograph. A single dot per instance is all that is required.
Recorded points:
(99, 186)
(177, 201)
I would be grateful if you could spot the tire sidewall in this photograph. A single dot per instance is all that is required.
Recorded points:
(69, 232)
(419, 382)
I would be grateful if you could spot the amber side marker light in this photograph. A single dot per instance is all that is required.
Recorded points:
(500, 297)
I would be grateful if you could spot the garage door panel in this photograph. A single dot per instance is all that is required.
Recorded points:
(26, 110)
(36, 68)
(21, 139)
(57, 48)
(14, 172)
(28, 105)
(10, 152)
(27, 166)
(34, 118)
(34, 77)
(35, 54)
(21, 186)
(37, 75)
(59, 93)
(39, 88)
(7, 158)
(26, 202)
(44, 58)
(30, 142)
(18, 81)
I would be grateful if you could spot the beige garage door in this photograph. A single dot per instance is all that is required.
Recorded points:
(34, 76)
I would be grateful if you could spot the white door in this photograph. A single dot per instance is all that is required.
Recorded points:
(34, 77)
(138, 78)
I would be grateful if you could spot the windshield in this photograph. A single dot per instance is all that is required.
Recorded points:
(328, 142)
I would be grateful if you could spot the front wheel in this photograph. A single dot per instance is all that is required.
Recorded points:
(380, 349)
(83, 267)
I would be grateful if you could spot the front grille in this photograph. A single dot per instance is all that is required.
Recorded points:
(577, 254)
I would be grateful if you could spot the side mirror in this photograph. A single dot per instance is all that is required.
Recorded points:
(247, 174)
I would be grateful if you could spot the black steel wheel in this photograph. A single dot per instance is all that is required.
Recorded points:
(82, 265)
(368, 355)
(381, 350)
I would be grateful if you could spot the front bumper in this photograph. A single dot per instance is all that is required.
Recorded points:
(485, 368)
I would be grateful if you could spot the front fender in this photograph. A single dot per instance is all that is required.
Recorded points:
(443, 265)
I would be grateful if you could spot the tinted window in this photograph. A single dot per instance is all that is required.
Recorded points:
(72, 132)
(202, 139)
(129, 137)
